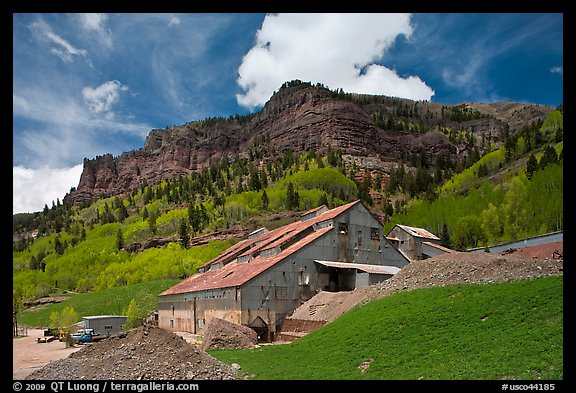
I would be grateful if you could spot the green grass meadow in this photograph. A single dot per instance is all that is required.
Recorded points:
(460, 332)
(112, 301)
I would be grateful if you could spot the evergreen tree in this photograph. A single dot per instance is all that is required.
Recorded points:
(482, 170)
(323, 200)
(548, 157)
(263, 178)
(193, 218)
(388, 209)
(119, 239)
(59, 247)
(264, 200)
(34, 263)
(122, 212)
(204, 219)
(152, 223)
(531, 166)
(509, 148)
(364, 190)
(292, 197)
(445, 236)
(184, 236)
(254, 183)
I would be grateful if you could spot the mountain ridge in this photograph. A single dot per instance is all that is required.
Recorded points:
(373, 132)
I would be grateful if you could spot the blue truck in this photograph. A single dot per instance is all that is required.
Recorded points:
(87, 336)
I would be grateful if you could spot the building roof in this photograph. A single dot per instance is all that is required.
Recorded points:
(418, 232)
(374, 269)
(226, 271)
(439, 247)
(312, 210)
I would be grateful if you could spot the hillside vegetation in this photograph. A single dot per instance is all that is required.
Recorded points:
(506, 193)
(113, 301)
(498, 331)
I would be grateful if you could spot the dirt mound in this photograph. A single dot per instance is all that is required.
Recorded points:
(147, 352)
(465, 267)
(223, 334)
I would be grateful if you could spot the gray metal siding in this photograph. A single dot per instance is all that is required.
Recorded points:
(289, 283)
(189, 312)
(376, 278)
(276, 292)
(430, 251)
(533, 241)
(106, 325)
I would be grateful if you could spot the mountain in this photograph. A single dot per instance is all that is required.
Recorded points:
(374, 132)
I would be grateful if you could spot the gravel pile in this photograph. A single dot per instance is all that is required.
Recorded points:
(145, 353)
(466, 267)
(223, 334)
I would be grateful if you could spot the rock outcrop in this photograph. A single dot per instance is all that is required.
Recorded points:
(300, 117)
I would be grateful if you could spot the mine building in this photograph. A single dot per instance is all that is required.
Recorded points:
(415, 243)
(260, 280)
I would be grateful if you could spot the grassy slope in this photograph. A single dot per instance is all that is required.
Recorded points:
(111, 301)
(473, 332)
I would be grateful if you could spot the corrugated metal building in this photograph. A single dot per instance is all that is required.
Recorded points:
(415, 243)
(262, 279)
(104, 324)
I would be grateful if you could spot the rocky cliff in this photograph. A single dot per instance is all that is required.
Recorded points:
(374, 131)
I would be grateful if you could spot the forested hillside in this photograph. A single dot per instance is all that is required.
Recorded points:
(509, 191)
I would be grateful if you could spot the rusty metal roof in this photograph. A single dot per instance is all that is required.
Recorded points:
(418, 232)
(434, 245)
(312, 210)
(274, 237)
(230, 251)
(234, 274)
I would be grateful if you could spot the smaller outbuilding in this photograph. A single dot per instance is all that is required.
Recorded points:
(105, 325)
(415, 243)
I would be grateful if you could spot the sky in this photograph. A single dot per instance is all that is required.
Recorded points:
(85, 85)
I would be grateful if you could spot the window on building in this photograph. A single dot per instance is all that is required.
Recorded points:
(281, 292)
(342, 228)
(107, 327)
(374, 234)
(359, 237)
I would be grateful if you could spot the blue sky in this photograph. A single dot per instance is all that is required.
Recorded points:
(89, 84)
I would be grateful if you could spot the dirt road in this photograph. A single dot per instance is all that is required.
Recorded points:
(28, 355)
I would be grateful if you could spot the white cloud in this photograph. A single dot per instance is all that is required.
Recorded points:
(59, 130)
(19, 104)
(557, 70)
(63, 49)
(102, 98)
(34, 188)
(338, 50)
(174, 21)
(465, 74)
(96, 23)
